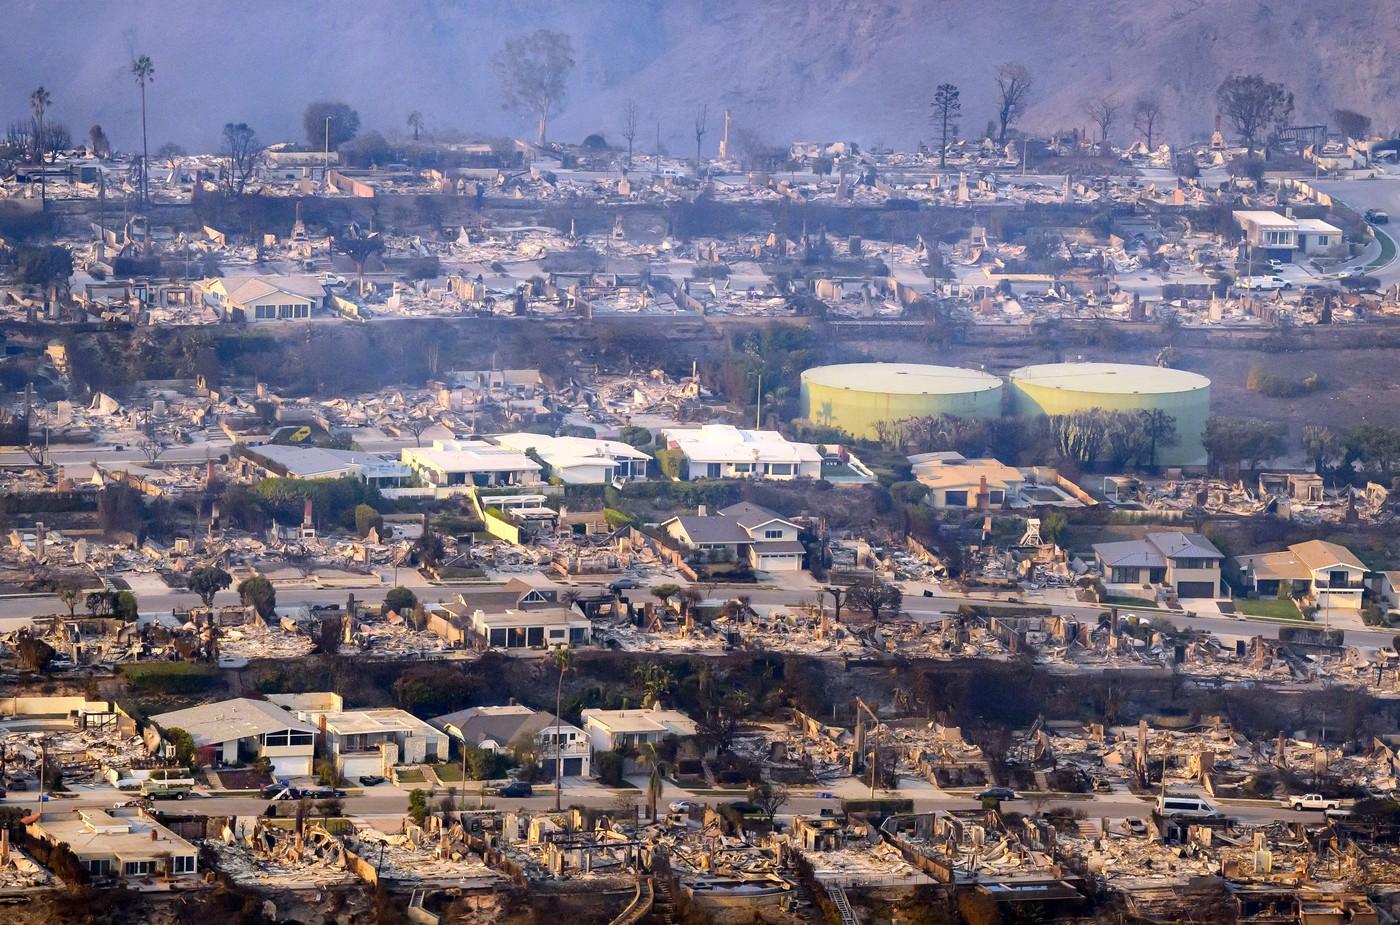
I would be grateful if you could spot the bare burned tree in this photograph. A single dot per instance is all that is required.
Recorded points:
(631, 116)
(1103, 112)
(242, 154)
(701, 117)
(1013, 92)
(417, 426)
(152, 448)
(1147, 112)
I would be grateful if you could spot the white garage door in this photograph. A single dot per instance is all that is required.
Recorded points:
(291, 766)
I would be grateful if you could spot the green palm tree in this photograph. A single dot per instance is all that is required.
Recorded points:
(655, 780)
(39, 102)
(563, 659)
(415, 122)
(144, 70)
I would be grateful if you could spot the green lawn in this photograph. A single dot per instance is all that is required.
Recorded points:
(1122, 600)
(452, 772)
(1387, 250)
(1269, 607)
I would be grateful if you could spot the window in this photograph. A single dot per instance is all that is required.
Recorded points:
(1282, 238)
(1323, 240)
(264, 312)
(780, 468)
(138, 868)
(773, 534)
(996, 496)
(955, 498)
(1123, 576)
(498, 638)
(743, 467)
(184, 864)
(98, 867)
(288, 737)
(536, 636)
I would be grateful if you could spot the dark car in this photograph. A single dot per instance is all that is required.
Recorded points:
(1377, 216)
(516, 788)
(372, 780)
(324, 793)
(997, 793)
(625, 584)
(279, 792)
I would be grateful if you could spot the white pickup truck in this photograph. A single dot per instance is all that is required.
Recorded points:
(1311, 801)
(1262, 283)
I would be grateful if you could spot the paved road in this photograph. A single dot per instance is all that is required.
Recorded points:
(385, 802)
(17, 611)
(1362, 194)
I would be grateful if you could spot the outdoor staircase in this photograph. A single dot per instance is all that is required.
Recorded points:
(842, 904)
(663, 907)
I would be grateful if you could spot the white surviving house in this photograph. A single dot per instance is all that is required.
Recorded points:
(313, 462)
(1272, 235)
(582, 460)
(501, 728)
(242, 730)
(263, 297)
(723, 451)
(365, 742)
(459, 464)
(623, 729)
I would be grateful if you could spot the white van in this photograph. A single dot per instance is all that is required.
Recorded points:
(1184, 805)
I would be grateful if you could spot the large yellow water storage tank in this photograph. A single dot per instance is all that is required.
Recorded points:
(1060, 388)
(857, 396)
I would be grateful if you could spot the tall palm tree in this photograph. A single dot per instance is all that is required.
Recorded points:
(563, 658)
(655, 767)
(39, 101)
(415, 122)
(144, 71)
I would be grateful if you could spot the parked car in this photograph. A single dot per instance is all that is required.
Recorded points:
(624, 584)
(372, 780)
(1262, 283)
(1135, 826)
(516, 788)
(1276, 265)
(1173, 804)
(997, 793)
(324, 793)
(1377, 216)
(684, 806)
(167, 793)
(1311, 801)
(280, 791)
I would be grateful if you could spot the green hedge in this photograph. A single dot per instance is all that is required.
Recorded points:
(171, 677)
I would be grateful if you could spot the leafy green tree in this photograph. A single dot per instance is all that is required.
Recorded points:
(124, 607)
(70, 593)
(207, 581)
(400, 600)
(1253, 104)
(343, 124)
(533, 71)
(257, 592)
(366, 519)
(418, 805)
(183, 743)
(632, 435)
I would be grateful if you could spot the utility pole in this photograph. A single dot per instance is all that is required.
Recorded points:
(43, 771)
(328, 151)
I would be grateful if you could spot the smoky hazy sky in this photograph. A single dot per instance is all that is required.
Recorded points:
(824, 69)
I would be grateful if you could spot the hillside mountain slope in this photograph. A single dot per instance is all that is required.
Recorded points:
(860, 69)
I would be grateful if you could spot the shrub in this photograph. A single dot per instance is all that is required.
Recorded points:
(171, 677)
